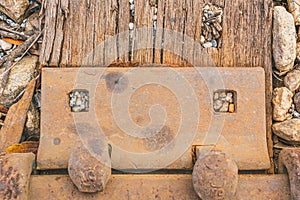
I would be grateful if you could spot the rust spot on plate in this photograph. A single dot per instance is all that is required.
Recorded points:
(56, 141)
(157, 138)
(116, 82)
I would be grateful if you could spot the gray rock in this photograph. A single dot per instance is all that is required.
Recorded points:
(282, 101)
(14, 9)
(284, 39)
(297, 101)
(292, 80)
(218, 104)
(207, 45)
(225, 107)
(288, 130)
(32, 125)
(5, 45)
(294, 8)
(21, 74)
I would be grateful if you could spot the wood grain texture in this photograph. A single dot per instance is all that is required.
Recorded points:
(143, 36)
(76, 31)
(74, 28)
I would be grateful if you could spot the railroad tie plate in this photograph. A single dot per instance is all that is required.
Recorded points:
(154, 117)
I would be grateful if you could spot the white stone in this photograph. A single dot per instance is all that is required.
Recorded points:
(282, 101)
(284, 39)
(5, 45)
(207, 45)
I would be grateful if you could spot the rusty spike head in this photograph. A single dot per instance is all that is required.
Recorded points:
(87, 171)
(215, 176)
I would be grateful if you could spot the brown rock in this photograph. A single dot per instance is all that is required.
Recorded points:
(282, 101)
(294, 8)
(20, 75)
(215, 176)
(292, 80)
(32, 125)
(15, 170)
(291, 160)
(284, 39)
(14, 9)
(32, 23)
(12, 129)
(298, 49)
(88, 173)
(297, 101)
(288, 130)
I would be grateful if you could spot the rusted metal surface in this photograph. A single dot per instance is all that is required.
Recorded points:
(15, 170)
(262, 187)
(87, 172)
(215, 176)
(290, 158)
(241, 134)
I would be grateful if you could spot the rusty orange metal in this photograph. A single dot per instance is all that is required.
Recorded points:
(263, 187)
(122, 100)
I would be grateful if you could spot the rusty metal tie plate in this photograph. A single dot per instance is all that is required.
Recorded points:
(153, 116)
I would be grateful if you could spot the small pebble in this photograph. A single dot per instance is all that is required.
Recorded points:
(210, 14)
(297, 101)
(207, 45)
(223, 94)
(218, 104)
(132, 7)
(229, 97)
(224, 107)
(231, 108)
(216, 96)
(206, 7)
(214, 43)
(202, 39)
(5, 45)
(131, 26)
